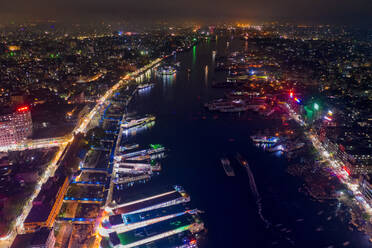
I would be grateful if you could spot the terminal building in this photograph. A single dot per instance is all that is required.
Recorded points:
(15, 125)
(47, 204)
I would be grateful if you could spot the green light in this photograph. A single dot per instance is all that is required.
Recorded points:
(52, 55)
(194, 54)
(309, 113)
(316, 106)
(11, 54)
(156, 146)
(194, 39)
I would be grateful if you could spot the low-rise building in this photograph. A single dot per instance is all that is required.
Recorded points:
(44, 238)
(47, 204)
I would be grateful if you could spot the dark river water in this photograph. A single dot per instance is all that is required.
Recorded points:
(198, 139)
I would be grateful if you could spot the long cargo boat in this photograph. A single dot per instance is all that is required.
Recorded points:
(241, 160)
(227, 167)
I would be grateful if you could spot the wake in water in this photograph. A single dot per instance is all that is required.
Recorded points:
(254, 189)
(253, 186)
(257, 195)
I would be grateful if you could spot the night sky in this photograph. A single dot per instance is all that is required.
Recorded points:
(315, 11)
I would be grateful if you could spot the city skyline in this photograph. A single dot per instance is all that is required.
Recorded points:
(185, 124)
(206, 11)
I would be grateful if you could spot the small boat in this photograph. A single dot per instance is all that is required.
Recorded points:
(319, 229)
(227, 167)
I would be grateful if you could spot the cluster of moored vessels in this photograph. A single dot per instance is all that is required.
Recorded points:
(230, 105)
(145, 86)
(145, 219)
(238, 101)
(132, 163)
(275, 144)
(166, 70)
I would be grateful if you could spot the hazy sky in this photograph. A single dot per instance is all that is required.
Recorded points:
(318, 11)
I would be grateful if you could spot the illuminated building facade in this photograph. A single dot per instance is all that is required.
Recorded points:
(15, 126)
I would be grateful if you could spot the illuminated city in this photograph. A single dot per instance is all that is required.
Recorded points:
(183, 125)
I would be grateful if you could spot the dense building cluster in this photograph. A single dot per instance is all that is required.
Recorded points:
(318, 75)
(51, 67)
(327, 71)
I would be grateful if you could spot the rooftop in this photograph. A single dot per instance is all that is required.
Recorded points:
(38, 239)
(147, 215)
(43, 203)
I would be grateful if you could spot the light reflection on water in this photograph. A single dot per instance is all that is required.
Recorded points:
(197, 144)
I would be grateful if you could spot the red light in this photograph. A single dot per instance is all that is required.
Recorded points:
(21, 109)
(193, 242)
(346, 169)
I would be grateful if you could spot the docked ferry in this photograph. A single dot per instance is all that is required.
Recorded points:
(145, 86)
(264, 139)
(128, 147)
(129, 123)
